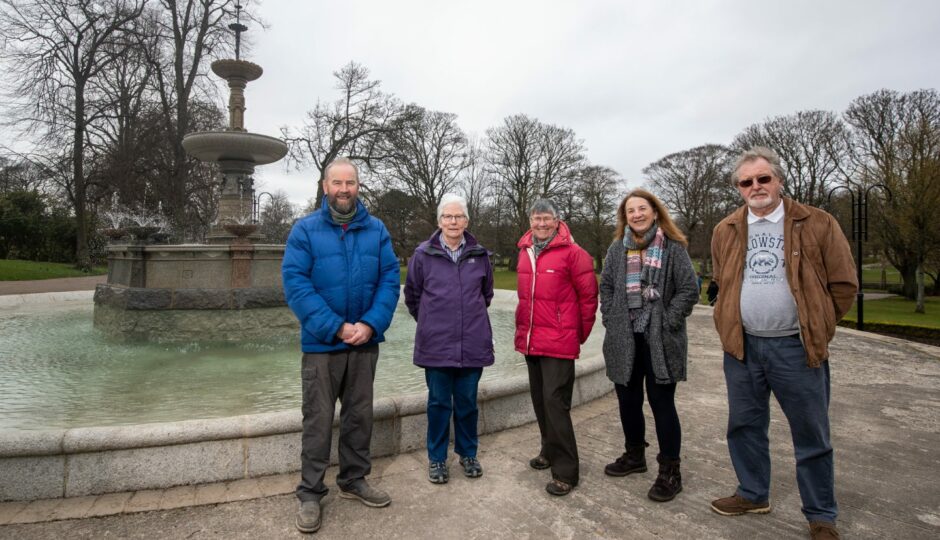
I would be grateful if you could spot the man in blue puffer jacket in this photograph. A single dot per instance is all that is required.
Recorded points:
(341, 280)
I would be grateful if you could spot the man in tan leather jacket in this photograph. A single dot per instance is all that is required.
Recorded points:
(785, 277)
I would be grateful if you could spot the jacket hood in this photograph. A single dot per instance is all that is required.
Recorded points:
(563, 238)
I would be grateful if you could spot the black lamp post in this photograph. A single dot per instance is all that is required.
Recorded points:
(859, 197)
(256, 210)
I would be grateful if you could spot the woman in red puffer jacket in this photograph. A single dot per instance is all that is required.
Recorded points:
(564, 287)
(557, 304)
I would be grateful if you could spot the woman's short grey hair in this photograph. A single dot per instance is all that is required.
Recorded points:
(543, 206)
(452, 198)
(755, 153)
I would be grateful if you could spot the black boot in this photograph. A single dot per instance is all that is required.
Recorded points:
(669, 482)
(632, 461)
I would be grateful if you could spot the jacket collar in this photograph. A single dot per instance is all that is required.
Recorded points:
(792, 211)
(432, 246)
(563, 238)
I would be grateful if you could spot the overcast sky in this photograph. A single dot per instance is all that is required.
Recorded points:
(635, 80)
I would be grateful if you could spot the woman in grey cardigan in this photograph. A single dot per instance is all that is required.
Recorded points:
(648, 287)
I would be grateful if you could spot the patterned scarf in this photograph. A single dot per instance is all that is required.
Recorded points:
(538, 246)
(644, 262)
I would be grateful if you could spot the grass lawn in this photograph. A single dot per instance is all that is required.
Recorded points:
(502, 278)
(900, 311)
(13, 270)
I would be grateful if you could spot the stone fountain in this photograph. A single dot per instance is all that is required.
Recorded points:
(229, 289)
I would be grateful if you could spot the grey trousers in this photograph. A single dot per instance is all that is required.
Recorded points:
(347, 375)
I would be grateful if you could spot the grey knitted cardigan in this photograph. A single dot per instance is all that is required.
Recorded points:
(666, 334)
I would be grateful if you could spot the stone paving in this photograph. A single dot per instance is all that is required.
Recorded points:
(886, 433)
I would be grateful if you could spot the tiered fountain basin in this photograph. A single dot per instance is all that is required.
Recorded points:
(193, 292)
(137, 453)
(220, 146)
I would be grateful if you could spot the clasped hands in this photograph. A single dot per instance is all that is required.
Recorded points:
(354, 334)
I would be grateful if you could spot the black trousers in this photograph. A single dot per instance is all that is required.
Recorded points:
(551, 381)
(662, 398)
(347, 375)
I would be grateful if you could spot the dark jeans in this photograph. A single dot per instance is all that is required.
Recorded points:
(452, 392)
(778, 365)
(551, 381)
(662, 398)
(347, 375)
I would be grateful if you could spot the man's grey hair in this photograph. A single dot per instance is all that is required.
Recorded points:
(452, 198)
(340, 161)
(543, 206)
(755, 153)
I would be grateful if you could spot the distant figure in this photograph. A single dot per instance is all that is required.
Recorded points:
(786, 277)
(712, 292)
(648, 288)
(341, 280)
(557, 303)
(448, 290)
(698, 280)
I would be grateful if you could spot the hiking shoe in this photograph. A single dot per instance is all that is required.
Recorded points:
(367, 495)
(823, 530)
(437, 472)
(471, 467)
(736, 505)
(632, 461)
(308, 517)
(540, 462)
(558, 488)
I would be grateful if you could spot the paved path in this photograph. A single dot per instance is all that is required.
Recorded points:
(51, 285)
(886, 433)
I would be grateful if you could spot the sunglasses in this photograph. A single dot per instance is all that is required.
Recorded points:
(748, 182)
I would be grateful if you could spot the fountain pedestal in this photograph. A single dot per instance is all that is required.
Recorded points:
(227, 290)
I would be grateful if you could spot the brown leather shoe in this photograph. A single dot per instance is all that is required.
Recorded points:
(823, 530)
(540, 462)
(558, 488)
(736, 505)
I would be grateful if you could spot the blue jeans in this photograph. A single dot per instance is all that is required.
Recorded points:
(778, 365)
(452, 391)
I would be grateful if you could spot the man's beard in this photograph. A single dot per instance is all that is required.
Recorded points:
(343, 207)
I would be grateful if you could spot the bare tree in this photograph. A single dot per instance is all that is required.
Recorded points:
(696, 186)
(55, 51)
(187, 34)
(425, 154)
(402, 214)
(532, 160)
(277, 217)
(476, 181)
(897, 143)
(598, 190)
(353, 125)
(813, 148)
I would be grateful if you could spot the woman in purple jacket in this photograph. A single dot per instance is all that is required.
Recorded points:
(448, 289)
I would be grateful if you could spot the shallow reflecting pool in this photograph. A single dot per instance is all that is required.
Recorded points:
(56, 371)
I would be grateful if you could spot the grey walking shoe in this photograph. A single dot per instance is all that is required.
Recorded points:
(438, 473)
(471, 467)
(367, 495)
(308, 517)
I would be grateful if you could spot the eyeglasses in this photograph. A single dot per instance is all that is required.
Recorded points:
(748, 182)
(453, 217)
(542, 219)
